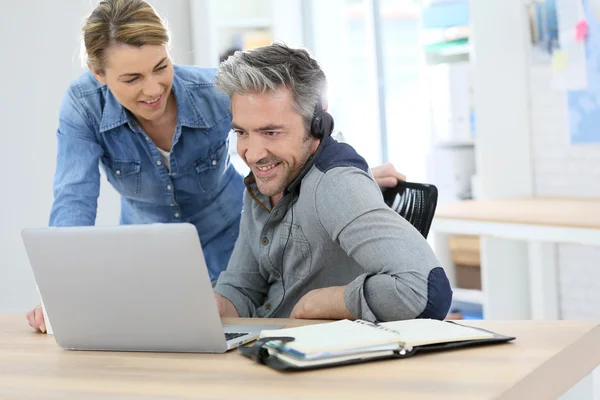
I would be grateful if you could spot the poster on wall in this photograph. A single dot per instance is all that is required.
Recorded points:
(584, 105)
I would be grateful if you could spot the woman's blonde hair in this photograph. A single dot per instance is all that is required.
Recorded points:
(131, 22)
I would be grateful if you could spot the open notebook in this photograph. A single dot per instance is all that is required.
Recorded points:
(345, 341)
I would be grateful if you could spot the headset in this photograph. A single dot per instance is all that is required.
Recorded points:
(321, 128)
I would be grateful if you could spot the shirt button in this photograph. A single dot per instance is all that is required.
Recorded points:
(169, 187)
(173, 204)
(147, 138)
(118, 172)
(264, 241)
(214, 162)
(268, 306)
(158, 162)
(276, 275)
(176, 215)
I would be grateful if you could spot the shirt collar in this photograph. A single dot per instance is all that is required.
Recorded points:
(255, 194)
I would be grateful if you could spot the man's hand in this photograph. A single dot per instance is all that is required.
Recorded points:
(36, 319)
(326, 303)
(225, 307)
(386, 175)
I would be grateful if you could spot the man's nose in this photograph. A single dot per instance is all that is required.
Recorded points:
(253, 150)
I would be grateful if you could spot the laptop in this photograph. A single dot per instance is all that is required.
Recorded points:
(130, 288)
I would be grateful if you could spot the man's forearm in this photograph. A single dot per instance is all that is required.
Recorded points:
(325, 303)
(226, 307)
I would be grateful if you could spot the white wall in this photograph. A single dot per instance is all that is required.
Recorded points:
(565, 170)
(500, 65)
(40, 56)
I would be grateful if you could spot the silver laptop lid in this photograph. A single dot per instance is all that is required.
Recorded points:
(131, 288)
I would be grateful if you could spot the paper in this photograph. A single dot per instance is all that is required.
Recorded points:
(333, 337)
(595, 8)
(559, 60)
(581, 30)
(417, 332)
(569, 66)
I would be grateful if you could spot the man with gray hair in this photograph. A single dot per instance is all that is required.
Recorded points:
(316, 238)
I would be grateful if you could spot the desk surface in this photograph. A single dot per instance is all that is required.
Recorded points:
(547, 358)
(575, 213)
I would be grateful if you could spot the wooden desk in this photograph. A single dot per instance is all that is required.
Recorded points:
(530, 268)
(546, 360)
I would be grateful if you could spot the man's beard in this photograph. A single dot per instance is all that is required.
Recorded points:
(289, 176)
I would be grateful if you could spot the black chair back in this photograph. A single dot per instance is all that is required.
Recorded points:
(416, 202)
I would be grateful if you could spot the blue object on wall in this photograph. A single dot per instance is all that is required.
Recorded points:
(584, 105)
(445, 15)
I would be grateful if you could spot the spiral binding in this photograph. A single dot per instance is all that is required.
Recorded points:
(405, 349)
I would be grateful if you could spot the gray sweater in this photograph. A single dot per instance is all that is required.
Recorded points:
(336, 230)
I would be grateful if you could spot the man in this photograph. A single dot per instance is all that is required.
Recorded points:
(316, 238)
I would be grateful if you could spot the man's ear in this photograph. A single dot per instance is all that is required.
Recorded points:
(98, 74)
(315, 144)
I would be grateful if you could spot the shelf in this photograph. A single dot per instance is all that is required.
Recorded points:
(455, 50)
(448, 48)
(454, 143)
(472, 296)
(263, 23)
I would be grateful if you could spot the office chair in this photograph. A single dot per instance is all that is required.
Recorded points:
(416, 202)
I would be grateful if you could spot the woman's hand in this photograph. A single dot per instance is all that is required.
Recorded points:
(386, 175)
(36, 319)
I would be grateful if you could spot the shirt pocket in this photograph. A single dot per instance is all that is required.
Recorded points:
(124, 175)
(297, 257)
(210, 169)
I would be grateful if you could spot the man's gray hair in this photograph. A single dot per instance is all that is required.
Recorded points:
(268, 68)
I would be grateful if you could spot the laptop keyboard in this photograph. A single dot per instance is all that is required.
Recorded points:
(231, 335)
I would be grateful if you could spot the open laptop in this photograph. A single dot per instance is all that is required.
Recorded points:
(130, 288)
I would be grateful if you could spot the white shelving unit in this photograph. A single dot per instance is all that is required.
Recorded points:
(447, 48)
(222, 25)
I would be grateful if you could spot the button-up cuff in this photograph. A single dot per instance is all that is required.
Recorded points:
(355, 300)
(242, 304)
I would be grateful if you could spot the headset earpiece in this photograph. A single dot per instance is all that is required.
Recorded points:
(321, 128)
(322, 124)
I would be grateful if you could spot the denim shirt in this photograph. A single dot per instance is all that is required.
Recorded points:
(202, 187)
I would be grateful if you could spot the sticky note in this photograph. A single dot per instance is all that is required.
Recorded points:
(559, 60)
(581, 30)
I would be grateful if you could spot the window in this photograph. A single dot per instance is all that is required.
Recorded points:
(370, 52)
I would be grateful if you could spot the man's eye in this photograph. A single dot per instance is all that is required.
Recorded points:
(270, 133)
(239, 133)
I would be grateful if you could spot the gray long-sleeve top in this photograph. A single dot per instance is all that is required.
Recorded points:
(335, 231)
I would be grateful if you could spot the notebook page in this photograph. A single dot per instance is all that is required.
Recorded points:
(333, 336)
(417, 332)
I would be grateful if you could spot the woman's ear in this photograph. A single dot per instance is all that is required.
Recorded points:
(98, 74)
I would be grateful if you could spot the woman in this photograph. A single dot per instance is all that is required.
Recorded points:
(159, 131)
